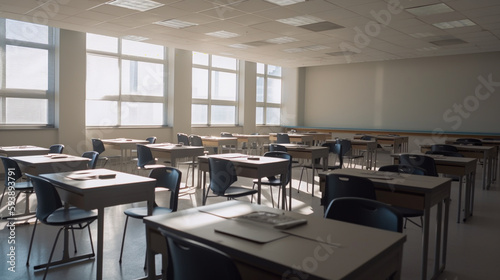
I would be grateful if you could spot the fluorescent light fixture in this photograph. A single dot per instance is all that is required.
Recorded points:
(300, 20)
(428, 10)
(134, 38)
(285, 2)
(222, 34)
(454, 24)
(240, 46)
(281, 40)
(175, 23)
(138, 5)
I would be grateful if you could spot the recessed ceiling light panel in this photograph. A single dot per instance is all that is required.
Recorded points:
(175, 23)
(285, 2)
(281, 40)
(300, 20)
(222, 34)
(138, 5)
(454, 24)
(428, 10)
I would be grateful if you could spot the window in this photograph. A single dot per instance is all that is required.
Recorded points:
(268, 109)
(126, 82)
(26, 73)
(215, 90)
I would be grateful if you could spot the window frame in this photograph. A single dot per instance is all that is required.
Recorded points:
(265, 104)
(132, 98)
(209, 101)
(48, 94)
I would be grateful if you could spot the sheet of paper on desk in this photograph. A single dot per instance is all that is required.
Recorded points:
(249, 231)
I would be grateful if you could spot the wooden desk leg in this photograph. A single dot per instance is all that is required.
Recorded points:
(437, 256)
(100, 241)
(425, 242)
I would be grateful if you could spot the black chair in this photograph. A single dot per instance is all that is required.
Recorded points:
(365, 212)
(445, 153)
(277, 148)
(276, 181)
(56, 149)
(210, 263)
(425, 162)
(51, 211)
(12, 182)
(282, 138)
(195, 140)
(337, 185)
(222, 176)
(183, 139)
(98, 146)
(347, 152)
(145, 159)
(443, 148)
(166, 177)
(469, 141)
(93, 156)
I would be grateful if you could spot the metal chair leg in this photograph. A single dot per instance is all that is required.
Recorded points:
(123, 239)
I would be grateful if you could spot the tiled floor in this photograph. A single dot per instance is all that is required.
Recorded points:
(473, 247)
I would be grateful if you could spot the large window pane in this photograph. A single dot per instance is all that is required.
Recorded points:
(223, 86)
(224, 62)
(272, 116)
(27, 68)
(223, 114)
(200, 58)
(101, 113)
(274, 90)
(260, 89)
(141, 113)
(102, 43)
(199, 114)
(260, 68)
(26, 111)
(102, 76)
(142, 49)
(142, 78)
(274, 70)
(259, 115)
(200, 83)
(28, 32)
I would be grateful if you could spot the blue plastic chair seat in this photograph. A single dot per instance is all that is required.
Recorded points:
(62, 216)
(141, 212)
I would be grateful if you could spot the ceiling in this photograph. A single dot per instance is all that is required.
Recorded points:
(347, 31)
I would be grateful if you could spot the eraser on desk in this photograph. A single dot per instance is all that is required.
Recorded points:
(107, 176)
(290, 224)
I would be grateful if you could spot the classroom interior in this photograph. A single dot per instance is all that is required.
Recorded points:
(427, 92)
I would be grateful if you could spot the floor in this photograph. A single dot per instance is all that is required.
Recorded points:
(473, 247)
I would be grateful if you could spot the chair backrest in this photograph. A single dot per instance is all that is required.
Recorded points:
(365, 212)
(425, 162)
(56, 149)
(283, 155)
(366, 137)
(445, 153)
(282, 138)
(48, 199)
(277, 148)
(226, 134)
(211, 263)
(183, 138)
(222, 174)
(335, 148)
(337, 185)
(401, 168)
(469, 141)
(12, 170)
(443, 147)
(196, 140)
(93, 156)
(144, 156)
(98, 145)
(151, 139)
(169, 178)
(346, 146)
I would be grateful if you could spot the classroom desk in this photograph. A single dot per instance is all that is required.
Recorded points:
(24, 150)
(52, 163)
(358, 146)
(399, 143)
(294, 138)
(416, 192)
(461, 167)
(320, 249)
(486, 153)
(219, 142)
(318, 137)
(259, 140)
(125, 146)
(90, 193)
(251, 168)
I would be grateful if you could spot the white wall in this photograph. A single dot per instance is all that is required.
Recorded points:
(407, 95)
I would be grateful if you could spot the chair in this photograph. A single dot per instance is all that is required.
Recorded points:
(151, 139)
(469, 141)
(93, 156)
(347, 151)
(12, 183)
(56, 149)
(277, 148)
(222, 176)
(98, 146)
(443, 147)
(425, 162)
(195, 140)
(273, 181)
(282, 138)
(51, 211)
(166, 177)
(365, 212)
(145, 159)
(183, 139)
(210, 263)
(337, 185)
(333, 148)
